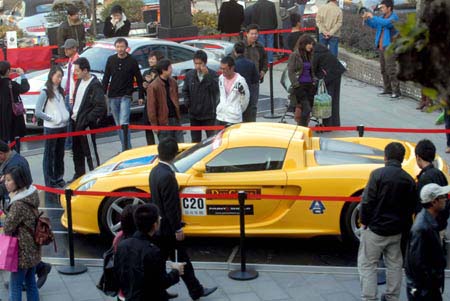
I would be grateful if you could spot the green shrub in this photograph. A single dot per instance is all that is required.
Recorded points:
(206, 22)
(131, 8)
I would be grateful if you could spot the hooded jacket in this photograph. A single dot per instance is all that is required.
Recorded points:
(71, 30)
(21, 222)
(53, 111)
(121, 29)
(231, 107)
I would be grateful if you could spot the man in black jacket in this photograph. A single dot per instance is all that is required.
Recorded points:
(139, 264)
(201, 95)
(116, 25)
(425, 153)
(387, 205)
(165, 195)
(425, 259)
(247, 69)
(326, 66)
(88, 107)
(231, 17)
(120, 73)
(265, 15)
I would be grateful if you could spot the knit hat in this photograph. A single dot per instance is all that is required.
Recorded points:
(432, 191)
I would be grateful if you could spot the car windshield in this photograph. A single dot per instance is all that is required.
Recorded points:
(97, 57)
(43, 8)
(189, 157)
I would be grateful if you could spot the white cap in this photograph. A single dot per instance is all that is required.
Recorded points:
(431, 191)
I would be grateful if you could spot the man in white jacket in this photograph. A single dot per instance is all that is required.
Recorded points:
(234, 94)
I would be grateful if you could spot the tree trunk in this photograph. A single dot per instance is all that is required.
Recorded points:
(94, 17)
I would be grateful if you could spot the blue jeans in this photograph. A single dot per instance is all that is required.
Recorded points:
(331, 43)
(68, 144)
(16, 282)
(120, 108)
(53, 162)
(267, 41)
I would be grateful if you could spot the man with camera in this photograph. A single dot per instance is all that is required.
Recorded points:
(385, 33)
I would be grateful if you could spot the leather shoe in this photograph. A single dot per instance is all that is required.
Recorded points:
(171, 296)
(42, 274)
(384, 93)
(207, 292)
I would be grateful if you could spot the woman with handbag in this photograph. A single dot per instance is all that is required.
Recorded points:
(301, 77)
(51, 108)
(20, 222)
(12, 122)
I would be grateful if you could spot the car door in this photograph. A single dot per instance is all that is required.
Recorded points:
(256, 170)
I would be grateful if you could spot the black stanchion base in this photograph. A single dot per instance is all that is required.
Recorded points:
(242, 276)
(272, 116)
(71, 270)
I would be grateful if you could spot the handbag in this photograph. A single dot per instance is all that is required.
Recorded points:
(322, 102)
(17, 106)
(9, 253)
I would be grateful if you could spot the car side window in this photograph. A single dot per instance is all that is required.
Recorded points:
(141, 54)
(178, 54)
(245, 159)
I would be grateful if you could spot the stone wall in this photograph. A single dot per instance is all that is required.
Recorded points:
(368, 71)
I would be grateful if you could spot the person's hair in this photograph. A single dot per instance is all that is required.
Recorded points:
(83, 63)
(49, 83)
(295, 19)
(251, 27)
(228, 60)
(394, 151)
(239, 48)
(127, 220)
(163, 65)
(167, 149)
(145, 216)
(116, 9)
(19, 177)
(201, 55)
(72, 10)
(4, 147)
(4, 67)
(121, 40)
(304, 40)
(156, 53)
(388, 3)
(426, 150)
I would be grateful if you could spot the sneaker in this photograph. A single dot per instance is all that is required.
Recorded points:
(42, 274)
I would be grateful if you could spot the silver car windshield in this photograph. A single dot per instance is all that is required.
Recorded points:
(97, 57)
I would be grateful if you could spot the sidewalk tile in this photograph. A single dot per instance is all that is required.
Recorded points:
(250, 296)
(268, 290)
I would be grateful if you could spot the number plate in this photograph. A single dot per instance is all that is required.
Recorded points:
(193, 206)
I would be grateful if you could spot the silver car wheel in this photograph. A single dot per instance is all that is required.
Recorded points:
(354, 222)
(115, 210)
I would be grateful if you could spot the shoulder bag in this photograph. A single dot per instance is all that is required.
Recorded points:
(17, 106)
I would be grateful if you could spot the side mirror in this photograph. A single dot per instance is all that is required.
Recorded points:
(199, 168)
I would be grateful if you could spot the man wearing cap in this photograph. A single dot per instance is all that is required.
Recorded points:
(71, 51)
(72, 28)
(425, 259)
(387, 205)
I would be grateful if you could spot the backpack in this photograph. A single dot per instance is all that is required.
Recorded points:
(43, 234)
(108, 282)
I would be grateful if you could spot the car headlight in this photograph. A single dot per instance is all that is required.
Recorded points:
(86, 186)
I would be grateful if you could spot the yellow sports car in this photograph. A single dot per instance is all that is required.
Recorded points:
(260, 158)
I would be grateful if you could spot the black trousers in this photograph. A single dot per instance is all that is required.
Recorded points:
(168, 245)
(424, 294)
(82, 153)
(196, 136)
(334, 90)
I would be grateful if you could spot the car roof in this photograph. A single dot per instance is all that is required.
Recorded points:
(136, 42)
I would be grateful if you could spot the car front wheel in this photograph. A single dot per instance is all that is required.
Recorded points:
(112, 210)
(350, 225)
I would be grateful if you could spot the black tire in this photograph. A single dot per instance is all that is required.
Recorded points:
(109, 215)
(350, 223)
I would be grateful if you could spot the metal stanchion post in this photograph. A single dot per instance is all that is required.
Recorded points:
(71, 269)
(125, 132)
(272, 114)
(243, 273)
(360, 129)
(17, 146)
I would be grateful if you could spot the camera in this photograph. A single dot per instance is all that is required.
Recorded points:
(362, 10)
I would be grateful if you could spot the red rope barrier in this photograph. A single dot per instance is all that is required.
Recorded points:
(177, 128)
(72, 134)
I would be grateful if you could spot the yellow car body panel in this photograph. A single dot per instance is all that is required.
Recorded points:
(307, 170)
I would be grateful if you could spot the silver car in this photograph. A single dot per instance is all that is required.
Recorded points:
(180, 56)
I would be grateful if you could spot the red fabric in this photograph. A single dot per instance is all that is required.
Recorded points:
(33, 58)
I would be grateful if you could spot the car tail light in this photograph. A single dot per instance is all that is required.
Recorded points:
(40, 28)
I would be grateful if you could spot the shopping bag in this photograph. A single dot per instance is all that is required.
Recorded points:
(9, 253)
(322, 102)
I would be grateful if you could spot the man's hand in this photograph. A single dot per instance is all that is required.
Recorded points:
(261, 74)
(20, 71)
(145, 85)
(140, 101)
(148, 77)
(179, 235)
(71, 101)
(179, 266)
